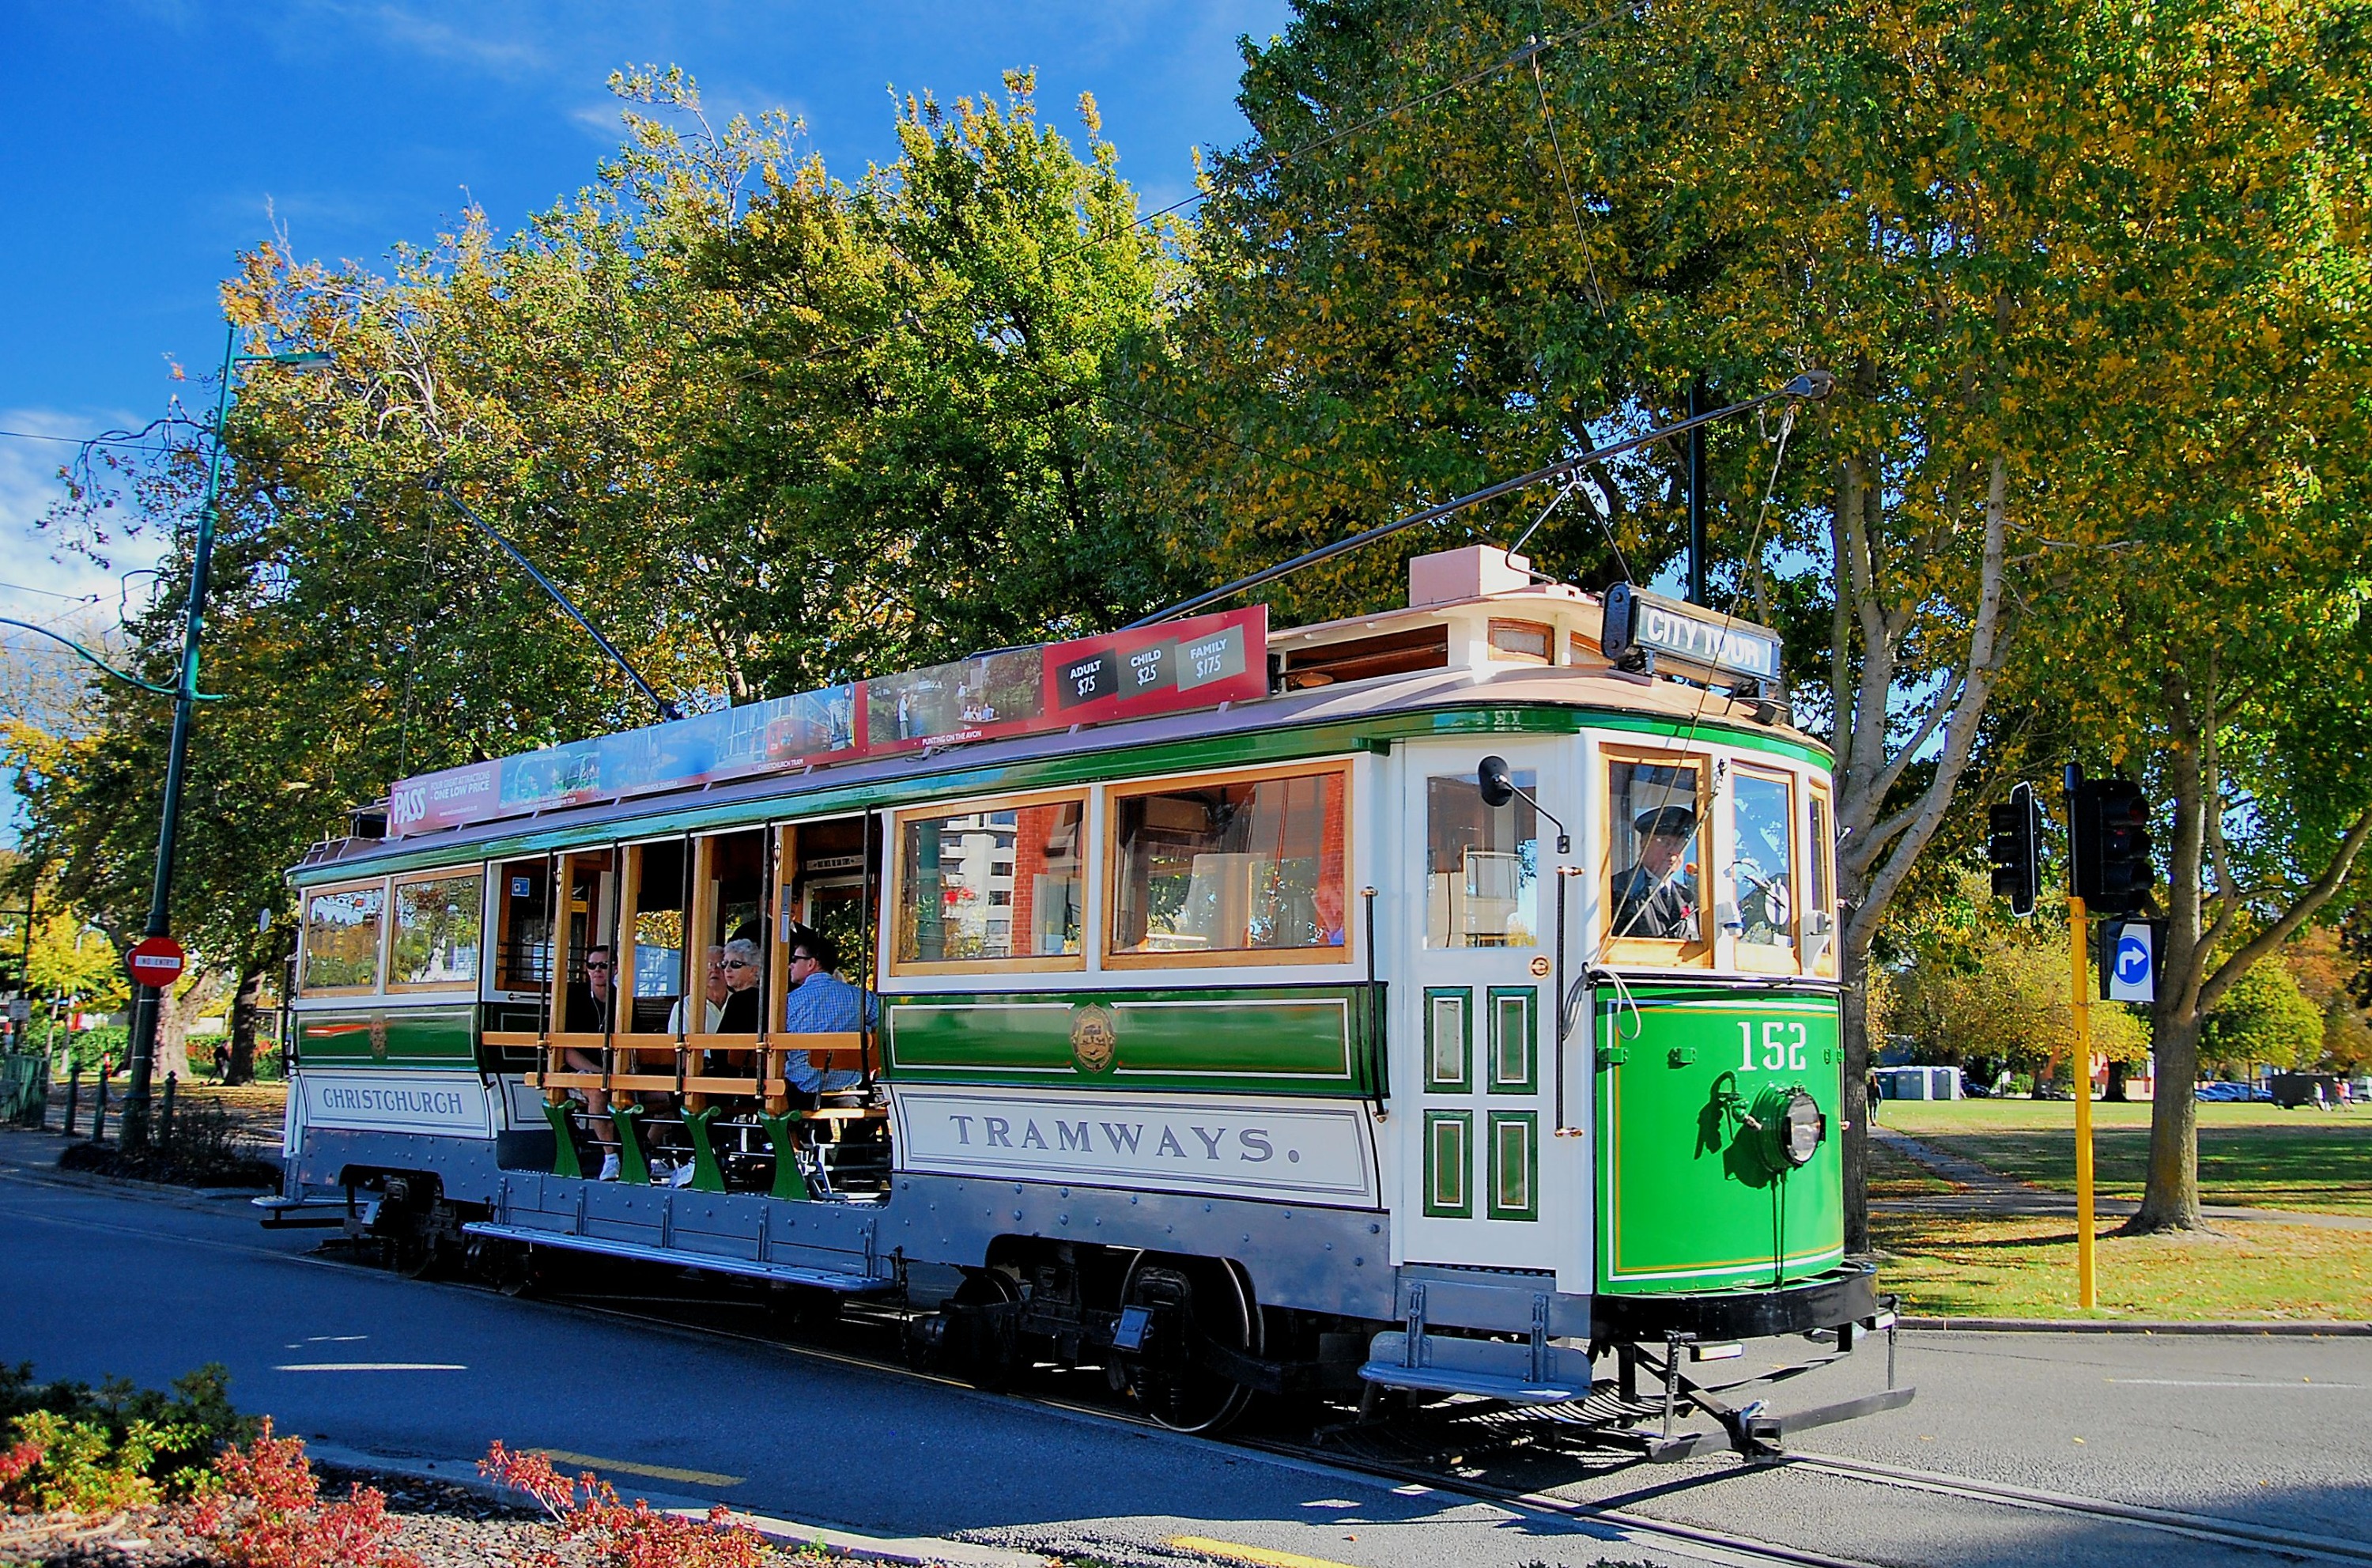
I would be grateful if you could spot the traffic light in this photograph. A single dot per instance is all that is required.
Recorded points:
(2110, 846)
(2013, 846)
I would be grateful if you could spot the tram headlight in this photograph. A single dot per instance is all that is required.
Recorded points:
(1801, 1127)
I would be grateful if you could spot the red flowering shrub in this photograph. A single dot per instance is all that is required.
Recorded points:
(587, 1513)
(266, 1512)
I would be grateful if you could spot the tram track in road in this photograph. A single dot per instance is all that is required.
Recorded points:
(2236, 1534)
(2221, 1531)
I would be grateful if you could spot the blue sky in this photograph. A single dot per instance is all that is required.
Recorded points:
(154, 140)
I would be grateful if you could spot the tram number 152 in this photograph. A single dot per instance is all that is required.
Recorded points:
(1784, 1048)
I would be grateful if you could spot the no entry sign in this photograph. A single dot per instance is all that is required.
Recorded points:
(156, 960)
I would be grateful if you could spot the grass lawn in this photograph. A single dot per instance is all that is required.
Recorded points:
(2250, 1156)
(2026, 1268)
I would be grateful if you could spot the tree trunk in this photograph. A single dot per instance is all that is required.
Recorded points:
(2116, 1094)
(175, 1013)
(1853, 1035)
(246, 1012)
(2171, 1200)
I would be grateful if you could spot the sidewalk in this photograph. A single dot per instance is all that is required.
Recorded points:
(1983, 1193)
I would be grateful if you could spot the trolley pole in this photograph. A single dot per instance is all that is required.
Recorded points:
(2079, 950)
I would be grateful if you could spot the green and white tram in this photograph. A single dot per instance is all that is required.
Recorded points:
(1428, 1002)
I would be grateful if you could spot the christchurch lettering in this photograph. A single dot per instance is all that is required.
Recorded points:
(1252, 1146)
(446, 1103)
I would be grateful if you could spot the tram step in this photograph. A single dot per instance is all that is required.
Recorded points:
(790, 1273)
(1489, 1368)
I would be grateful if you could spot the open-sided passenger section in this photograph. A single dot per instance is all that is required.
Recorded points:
(687, 1007)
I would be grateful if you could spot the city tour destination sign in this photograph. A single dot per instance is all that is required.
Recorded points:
(1184, 665)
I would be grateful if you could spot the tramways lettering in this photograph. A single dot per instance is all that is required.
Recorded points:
(1220, 1144)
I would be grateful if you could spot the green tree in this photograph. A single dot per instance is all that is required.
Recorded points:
(920, 458)
(2263, 1018)
(2019, 235)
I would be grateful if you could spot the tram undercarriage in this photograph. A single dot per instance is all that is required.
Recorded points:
(1180, 1336)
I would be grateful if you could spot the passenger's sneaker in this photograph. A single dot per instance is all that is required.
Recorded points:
(682, 1175)
(608, 1168)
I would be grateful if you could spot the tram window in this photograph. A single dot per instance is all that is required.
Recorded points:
(1653, 843)
(650, 969)
(438, 924)
(587, 916)
(1253, 868)
(523, 925)
(730, 876)
(341, 932)
(825, 890)
(949, 882)
(1483, 865)
(1820, 912)
(1762, 867)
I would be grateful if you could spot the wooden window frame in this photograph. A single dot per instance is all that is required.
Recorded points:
(893, 879)
(1754, 957)
(303, 924)
(1645, 951)
(1497, 654)
(1820, 867)
(1229, 958)
(394, 987)
(629, 911)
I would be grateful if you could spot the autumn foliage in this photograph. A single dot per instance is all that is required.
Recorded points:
(268, 1512)
(586, 1514)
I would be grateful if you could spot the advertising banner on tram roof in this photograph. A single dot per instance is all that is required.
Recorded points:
(1184, 665)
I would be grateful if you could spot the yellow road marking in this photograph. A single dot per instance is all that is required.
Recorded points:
(1259, 1554)
(657, 1472)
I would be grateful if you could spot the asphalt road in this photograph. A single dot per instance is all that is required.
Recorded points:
(103, 1280)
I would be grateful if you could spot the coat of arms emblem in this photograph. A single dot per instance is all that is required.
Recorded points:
(1092, 1037)
(378, 1035)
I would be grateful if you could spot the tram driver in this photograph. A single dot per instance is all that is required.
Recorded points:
(1655, 898)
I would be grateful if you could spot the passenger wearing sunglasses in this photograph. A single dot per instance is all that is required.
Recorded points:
(589, 1012)
(741, 1010)
(819, 1003)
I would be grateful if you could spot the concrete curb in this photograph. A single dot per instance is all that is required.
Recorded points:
(911, 1551)
(2283, 1329)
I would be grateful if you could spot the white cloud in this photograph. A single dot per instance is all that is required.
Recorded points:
(41, 580)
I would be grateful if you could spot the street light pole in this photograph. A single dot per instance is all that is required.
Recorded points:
(147, 999)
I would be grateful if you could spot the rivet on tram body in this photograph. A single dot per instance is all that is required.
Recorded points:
(1062, 1219)
(1358, 1263)
(1017, 1214)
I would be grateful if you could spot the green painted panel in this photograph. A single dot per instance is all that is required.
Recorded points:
(1449, 1163)
(1449, 1039)
(819, 794)
(1276, 1040)
(1515, 1154)
(1688, 1200)
(442, 1037)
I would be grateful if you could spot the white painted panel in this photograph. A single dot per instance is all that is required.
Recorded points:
(1217, 1144)
(450, 1103)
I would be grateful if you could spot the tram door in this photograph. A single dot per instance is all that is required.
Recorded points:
(1485, 1178)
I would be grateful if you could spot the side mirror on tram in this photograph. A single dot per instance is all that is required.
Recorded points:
(1496, 783)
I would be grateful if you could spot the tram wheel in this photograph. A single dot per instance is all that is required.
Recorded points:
(1191, 1299)
(980, 1346)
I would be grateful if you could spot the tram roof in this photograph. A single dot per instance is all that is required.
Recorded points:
(1321, 721)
